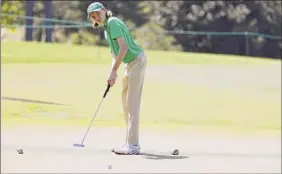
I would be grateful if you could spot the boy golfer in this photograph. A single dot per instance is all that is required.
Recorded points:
(124, 49)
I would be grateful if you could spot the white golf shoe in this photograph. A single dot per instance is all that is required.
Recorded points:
(113, 150)
(128, 149)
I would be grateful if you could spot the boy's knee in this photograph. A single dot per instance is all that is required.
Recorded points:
(133, 121)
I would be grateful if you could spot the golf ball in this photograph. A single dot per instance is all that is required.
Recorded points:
(175, 152)
(20, 151)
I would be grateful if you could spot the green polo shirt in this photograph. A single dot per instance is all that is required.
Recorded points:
(114, 29)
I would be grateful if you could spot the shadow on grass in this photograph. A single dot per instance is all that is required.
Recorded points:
(237, 155)
(31, 101)
(152, 156)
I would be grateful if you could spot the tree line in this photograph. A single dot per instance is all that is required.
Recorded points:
(149, 20)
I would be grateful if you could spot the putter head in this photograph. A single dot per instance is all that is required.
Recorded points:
(78, 145)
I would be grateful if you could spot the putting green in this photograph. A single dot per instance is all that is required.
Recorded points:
(175, 96)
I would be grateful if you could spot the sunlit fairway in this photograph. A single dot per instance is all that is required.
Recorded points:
(206, 91)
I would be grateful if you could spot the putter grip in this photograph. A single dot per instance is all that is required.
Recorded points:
(107, 90)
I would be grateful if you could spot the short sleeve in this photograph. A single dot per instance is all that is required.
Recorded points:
(115, 30)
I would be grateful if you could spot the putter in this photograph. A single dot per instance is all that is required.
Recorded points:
(105, 94)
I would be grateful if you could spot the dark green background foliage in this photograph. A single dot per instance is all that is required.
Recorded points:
(149, 19)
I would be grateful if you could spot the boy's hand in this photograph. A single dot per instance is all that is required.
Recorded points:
(112, 78)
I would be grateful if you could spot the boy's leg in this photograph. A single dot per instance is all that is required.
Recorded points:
(124, 101)
(135, 87)
(135, 73)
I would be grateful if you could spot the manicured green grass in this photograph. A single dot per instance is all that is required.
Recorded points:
(166, 103)
(32, 52)
(175, 104)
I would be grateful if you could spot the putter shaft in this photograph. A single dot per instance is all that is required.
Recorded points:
(91, 121)
(104, 96)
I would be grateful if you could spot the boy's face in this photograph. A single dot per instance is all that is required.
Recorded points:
(98, 16)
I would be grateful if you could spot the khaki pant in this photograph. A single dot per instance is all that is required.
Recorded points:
(132, 85)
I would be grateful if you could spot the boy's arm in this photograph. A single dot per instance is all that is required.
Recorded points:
(117, 34)
(121, 54)
(114, 59)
